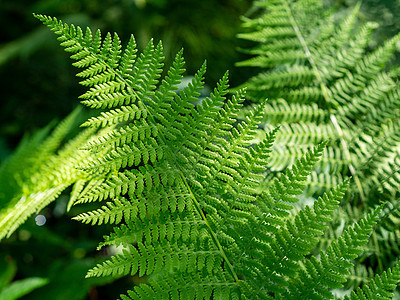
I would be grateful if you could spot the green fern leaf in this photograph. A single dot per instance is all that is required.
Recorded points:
(181, 178)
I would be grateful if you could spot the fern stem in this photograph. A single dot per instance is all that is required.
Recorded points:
(213, 235)
(325, 93)
(378, 252)
(196, 203)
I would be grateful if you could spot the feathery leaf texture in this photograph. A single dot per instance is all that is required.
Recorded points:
(40, 169)
(333, 89)
(328, 85)
(180, 179)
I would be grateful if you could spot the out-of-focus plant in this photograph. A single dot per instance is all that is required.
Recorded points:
(14, 290)
(384, 12)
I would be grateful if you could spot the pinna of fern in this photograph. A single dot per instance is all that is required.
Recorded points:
(179, 180)
(329, 85)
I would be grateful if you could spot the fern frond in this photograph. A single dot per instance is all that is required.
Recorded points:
(340, 90)
(182, 178)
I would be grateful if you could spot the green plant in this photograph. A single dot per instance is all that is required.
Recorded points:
(40, 169)
(323, 82)
(19, 288)
(29, 49)
(180, 178)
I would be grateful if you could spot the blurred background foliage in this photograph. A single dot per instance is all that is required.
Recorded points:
(385, 12)
(38, 85)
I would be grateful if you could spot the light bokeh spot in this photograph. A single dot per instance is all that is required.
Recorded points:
(40, 220)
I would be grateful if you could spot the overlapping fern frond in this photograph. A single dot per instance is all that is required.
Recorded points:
(40, 169)
(333, 88)
(180, 178)
(328, 84)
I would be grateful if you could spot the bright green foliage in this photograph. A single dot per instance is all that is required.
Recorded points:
(323, 82)
(180, 180)
(40, 169)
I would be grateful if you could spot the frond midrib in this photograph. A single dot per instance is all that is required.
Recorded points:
(325, 94)
(127, 84)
